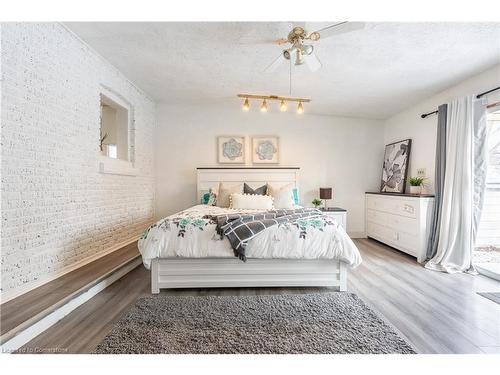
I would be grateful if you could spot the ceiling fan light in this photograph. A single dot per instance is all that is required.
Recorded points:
(298, 30)
(300, 108)
(246, 105)
(314, 36)
(283, 106)
(307, 49)
(298, 58)
(263, 106)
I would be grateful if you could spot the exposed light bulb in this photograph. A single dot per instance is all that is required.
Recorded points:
(283, 106)
(300, 108)
(246, 105)
(263, 107)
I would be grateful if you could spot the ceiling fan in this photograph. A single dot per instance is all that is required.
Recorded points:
(299, 51)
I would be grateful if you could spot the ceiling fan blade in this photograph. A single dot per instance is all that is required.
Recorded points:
(281, 41)
(252, 41)
(313, 62)
(275, 64)
(339, 28)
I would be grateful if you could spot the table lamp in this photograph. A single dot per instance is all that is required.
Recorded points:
(325, 193)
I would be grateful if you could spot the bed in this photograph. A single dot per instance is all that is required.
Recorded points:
(185, 251)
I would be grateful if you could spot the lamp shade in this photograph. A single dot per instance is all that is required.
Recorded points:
(325, 193)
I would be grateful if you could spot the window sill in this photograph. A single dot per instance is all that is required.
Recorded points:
(109, 165)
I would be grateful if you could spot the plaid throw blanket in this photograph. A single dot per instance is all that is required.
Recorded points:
(241, 228)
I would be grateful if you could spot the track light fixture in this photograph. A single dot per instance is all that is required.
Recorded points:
(300, 108)
(246, 105)
(263, 106)
(282, 99)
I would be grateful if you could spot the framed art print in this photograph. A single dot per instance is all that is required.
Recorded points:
(395, 167)
(231, 149)
(265, 150)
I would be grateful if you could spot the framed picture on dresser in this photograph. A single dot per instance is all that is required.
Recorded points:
(395, 167)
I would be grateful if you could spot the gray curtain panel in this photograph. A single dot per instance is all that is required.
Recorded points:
(438, 180)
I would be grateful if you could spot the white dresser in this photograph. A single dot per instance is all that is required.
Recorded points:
(400, 220)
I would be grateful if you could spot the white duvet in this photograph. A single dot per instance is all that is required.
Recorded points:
(190, 234)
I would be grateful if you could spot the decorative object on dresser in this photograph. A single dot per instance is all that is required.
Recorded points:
(339, 214)
(325, 193)
(401, 221)
(265, 150)
(231, 149)
(395, 167)
(416, 185)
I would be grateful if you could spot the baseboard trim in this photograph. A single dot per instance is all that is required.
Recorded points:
(486, 270)
(5, 297)
(357, 234)
(71, 303)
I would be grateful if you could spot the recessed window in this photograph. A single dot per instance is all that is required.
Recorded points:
(114, 138)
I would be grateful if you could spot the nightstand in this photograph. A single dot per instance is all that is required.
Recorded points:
(339, 214)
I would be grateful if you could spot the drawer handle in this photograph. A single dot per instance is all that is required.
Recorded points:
(408, 208)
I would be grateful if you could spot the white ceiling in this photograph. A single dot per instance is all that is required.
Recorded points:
(372, 73)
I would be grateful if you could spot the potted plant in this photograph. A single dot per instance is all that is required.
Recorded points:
(416, 184)
(316, 202)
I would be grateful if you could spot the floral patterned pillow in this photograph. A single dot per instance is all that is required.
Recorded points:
(209, 198)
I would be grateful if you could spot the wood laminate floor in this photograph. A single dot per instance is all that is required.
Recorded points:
(27, 306)
(436, 312)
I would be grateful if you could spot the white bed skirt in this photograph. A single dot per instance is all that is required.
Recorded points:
(232, 272)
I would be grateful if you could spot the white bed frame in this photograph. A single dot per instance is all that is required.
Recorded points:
(232, 272)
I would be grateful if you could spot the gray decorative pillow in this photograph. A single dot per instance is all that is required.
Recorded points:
(259, 191)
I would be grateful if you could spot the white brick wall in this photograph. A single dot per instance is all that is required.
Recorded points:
(57, 209)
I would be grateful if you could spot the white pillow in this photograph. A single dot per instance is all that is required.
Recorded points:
(251, 202)
(225, 192)
(282, 197)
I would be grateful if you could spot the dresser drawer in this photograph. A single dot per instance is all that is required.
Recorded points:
(400, 240)
(400, 223)
(381, 232)
(403, 207)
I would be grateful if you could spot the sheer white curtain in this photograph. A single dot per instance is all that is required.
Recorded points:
(463, 185)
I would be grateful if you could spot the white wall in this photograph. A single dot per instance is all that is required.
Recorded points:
(57, 210)
(344, 153)
(409, 124)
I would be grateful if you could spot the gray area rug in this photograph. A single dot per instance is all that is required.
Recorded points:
(293, 323)
(495, 297)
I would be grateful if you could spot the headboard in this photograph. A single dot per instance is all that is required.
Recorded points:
(253, 176)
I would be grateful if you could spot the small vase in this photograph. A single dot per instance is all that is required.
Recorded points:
(415, 189)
